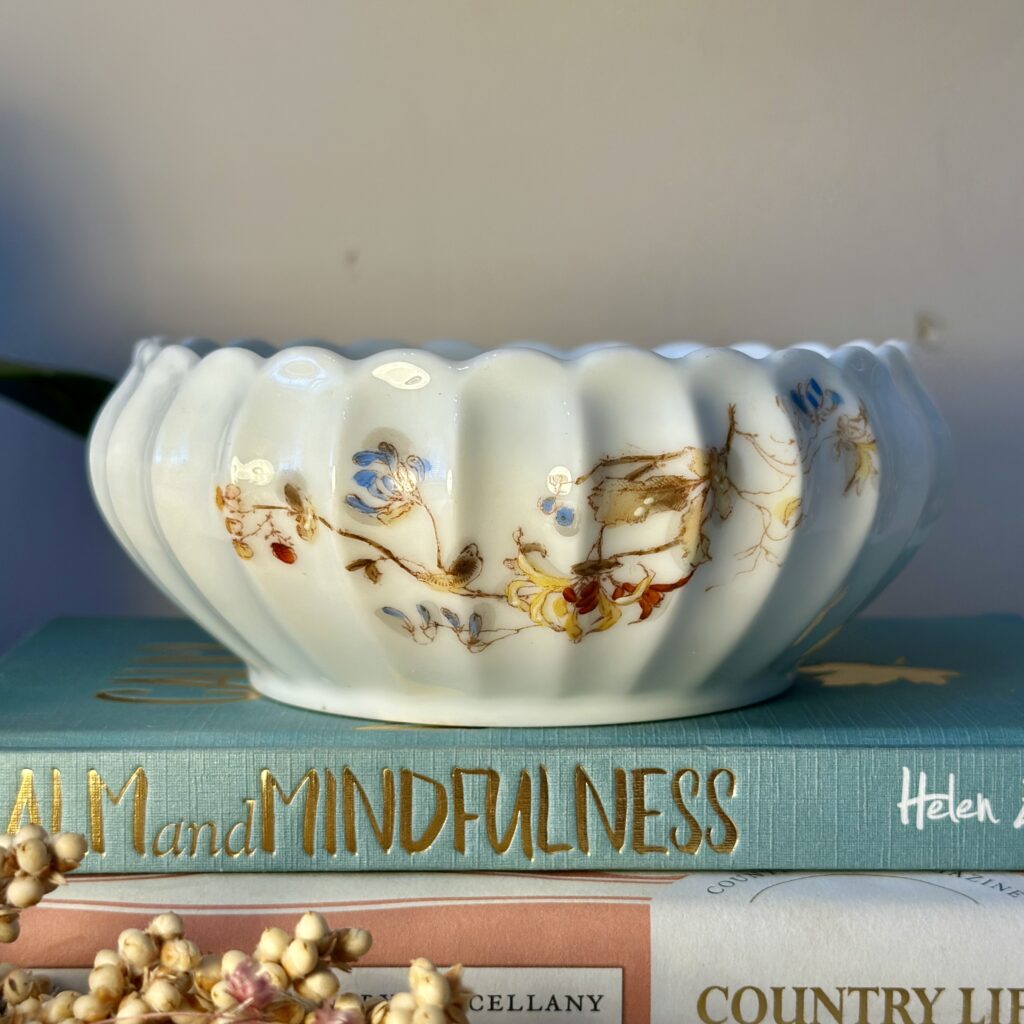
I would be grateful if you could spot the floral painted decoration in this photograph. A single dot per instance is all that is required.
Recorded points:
(390, 485)
(695, 485)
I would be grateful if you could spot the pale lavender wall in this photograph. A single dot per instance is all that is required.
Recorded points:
(565, 171)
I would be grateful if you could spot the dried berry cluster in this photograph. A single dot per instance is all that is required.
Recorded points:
(157, 974)
(32, 864)
(433, 998)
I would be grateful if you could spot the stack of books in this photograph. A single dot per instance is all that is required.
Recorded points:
(801, 861)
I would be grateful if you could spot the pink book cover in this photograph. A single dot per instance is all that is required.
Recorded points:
(495, 920)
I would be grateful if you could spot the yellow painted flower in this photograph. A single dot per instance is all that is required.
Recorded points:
(863, 462)
(535, 592)
(574, 606)
(854, 440)
(787, 510)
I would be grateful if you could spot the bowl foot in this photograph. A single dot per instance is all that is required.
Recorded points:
(453, 709)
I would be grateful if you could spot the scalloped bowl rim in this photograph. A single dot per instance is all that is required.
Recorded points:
(456, 352)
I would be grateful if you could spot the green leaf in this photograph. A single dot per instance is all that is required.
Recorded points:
(64, 397)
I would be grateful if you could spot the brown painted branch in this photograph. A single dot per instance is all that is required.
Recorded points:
(437, 535)
(624, 460)
(386, 552)
(640, 552)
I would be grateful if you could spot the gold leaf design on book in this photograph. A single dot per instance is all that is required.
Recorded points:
(858, 673)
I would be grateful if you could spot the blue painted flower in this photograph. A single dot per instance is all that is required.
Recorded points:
(390, 484)
(564, 515)
(396, 613)
(814, 402)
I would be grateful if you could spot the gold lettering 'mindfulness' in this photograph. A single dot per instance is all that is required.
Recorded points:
(649, 812)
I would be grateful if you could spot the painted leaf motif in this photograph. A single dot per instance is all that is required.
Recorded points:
(467, 564)
(595, 566)
(625, 502)
(292, 496)
(453, 619)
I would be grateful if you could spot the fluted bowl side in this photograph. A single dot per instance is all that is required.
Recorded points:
(520, 536)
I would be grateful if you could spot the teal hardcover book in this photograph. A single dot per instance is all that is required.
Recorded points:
(900, 747)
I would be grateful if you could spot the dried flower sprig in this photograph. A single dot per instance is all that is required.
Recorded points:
(433, 998)
(157, 974)
(33, 863)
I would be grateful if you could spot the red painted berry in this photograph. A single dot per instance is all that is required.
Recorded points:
(283, 552)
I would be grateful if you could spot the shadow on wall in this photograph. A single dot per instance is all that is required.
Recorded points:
(55, 210)
(966, 565)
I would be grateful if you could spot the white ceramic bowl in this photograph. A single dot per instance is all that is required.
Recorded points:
(520, 536)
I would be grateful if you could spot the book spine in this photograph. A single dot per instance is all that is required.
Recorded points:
(811, 808)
